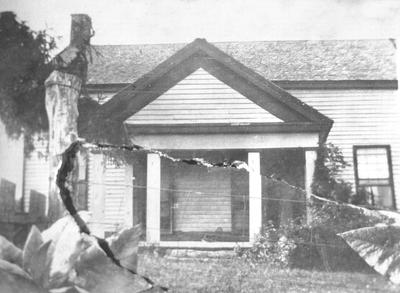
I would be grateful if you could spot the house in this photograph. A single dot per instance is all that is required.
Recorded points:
(259, 102)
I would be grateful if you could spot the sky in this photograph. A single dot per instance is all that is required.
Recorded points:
(166, 21)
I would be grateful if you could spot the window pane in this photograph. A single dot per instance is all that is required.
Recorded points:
(379, 195)
(372, 163)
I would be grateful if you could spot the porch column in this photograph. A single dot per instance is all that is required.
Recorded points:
(255, 195)
(153, 198)
(98, 193)
(128, 219)
(311, 156)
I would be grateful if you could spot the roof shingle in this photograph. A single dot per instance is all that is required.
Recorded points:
(274, 60)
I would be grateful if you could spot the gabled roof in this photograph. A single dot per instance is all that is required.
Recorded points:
(330, 60)
(201, 54)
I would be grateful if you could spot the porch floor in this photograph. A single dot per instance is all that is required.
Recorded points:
(205, 236)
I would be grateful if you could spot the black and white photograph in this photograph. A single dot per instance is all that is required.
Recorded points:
(199, 146)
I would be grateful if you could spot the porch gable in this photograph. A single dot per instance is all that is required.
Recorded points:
(274, 105)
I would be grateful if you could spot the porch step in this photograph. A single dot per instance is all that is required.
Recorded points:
(198, 254)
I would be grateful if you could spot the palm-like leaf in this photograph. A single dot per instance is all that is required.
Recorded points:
(66, 244)
(125, 245)
(14, 280)
(40, 265)
(31, 247)
(379, 246)
(10, 252)
(97, 273)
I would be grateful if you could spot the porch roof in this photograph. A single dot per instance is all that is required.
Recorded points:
(296, 115)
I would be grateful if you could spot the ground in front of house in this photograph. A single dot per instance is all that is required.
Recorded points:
(235, 275)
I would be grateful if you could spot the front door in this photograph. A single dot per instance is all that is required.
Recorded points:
(202, 199)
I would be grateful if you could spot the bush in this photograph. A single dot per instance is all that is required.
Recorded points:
(319, 248)
(328, 167)
(314, 246)
(273, 246)
(305, 247)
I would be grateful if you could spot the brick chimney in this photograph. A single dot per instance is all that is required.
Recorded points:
(81, 30)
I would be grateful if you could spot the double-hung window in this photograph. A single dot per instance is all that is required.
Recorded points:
(373, 173)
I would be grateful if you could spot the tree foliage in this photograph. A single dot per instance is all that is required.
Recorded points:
(24, 66)
(327, 182)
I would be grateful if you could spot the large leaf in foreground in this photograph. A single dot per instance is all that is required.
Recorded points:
(9, 252)
(97, 273)
(14, 280)
(66, 245)
(40, 265)
(379, 246)
(124, 245)
(31, 247)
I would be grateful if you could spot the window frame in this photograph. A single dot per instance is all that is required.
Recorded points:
(390, 167)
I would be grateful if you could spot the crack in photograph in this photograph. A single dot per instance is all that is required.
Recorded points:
(199, 146)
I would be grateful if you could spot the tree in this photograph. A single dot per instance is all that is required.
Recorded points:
(328, 166)
(24, 66)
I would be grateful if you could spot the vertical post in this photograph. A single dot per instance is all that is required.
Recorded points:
(128, 196)
(255, 195)
(310, 156)
(97, 193)
(153, 205)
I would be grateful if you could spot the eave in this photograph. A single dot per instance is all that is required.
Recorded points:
(279, 127)
(284, 84)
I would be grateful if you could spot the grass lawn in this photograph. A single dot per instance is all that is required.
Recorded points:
(234, 275)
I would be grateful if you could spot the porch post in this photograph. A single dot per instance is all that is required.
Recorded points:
(153, 198)
(255, 196)
(98, 191)
(311, 156)
(128, 220)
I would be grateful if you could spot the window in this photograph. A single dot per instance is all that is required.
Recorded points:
(373, 173)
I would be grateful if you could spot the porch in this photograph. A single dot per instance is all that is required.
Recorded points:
(191, 206)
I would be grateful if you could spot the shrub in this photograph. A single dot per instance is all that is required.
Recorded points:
(328, 166)
(273, 246)
(316, 245)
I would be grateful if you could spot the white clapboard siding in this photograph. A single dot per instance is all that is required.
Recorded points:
(36, 172)
(202, 200)
(111, 186)
(361, 117)
(201, 98)
(11, 162)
